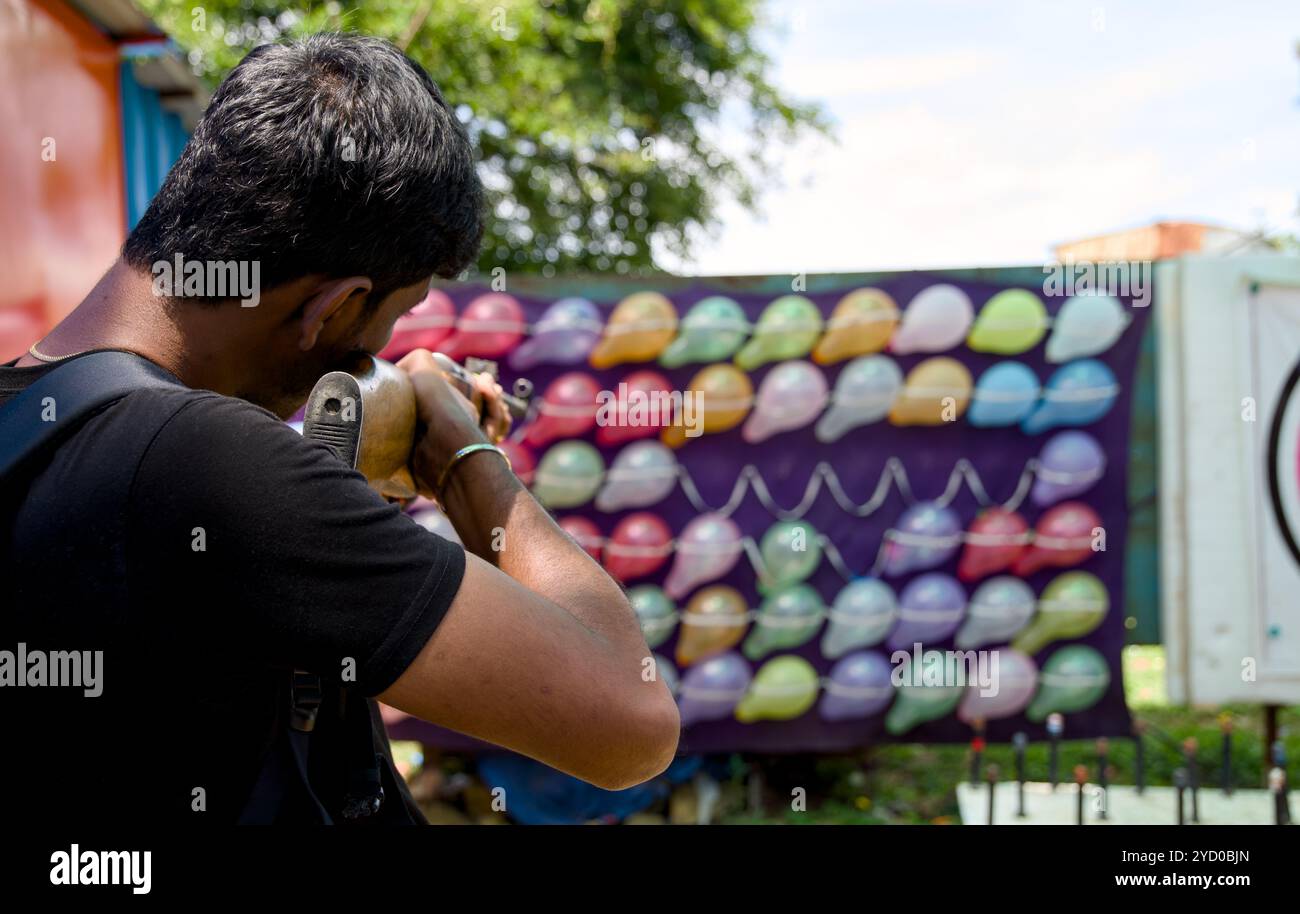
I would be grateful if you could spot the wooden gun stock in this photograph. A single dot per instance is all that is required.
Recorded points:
(367, 416)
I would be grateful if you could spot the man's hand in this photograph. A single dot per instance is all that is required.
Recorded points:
(449, 420)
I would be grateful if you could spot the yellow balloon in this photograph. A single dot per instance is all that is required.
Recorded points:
(717, 399)
(861, 324)
(936, 391)
(640, 328)
(1012, 322)
(784, 688)
(712, 622)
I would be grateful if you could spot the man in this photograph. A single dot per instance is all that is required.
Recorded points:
(208, 551)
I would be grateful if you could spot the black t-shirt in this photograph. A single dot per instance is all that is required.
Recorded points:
(207, 550)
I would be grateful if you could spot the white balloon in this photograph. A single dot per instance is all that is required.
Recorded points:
(644, 473)
(864, 393)
(937, 319)
(1086, 325)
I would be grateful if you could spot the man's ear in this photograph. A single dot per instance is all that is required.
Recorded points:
(325, 302)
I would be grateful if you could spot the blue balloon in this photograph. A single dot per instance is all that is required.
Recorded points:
(1078, 393)
(1004, 395)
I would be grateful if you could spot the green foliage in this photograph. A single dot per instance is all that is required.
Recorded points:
(597, 121)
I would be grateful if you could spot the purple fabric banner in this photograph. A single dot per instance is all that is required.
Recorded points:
(998, 456)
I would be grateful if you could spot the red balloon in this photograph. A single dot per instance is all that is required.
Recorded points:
(491, 326)
(585, 534)
(423, 327)
(639, 545)
(1063, 537)
(567, 410)
(639, 408)
(996, 538)
(522, 460)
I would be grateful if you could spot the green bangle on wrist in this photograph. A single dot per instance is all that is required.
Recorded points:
(465, 452)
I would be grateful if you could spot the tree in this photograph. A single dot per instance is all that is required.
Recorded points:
(597, 121)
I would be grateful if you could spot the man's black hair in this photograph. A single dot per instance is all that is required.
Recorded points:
(333, 154)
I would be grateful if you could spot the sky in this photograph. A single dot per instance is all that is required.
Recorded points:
(983, 133)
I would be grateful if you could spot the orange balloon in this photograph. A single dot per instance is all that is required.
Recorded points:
(861, 324)
(717, 399)
(937, 391)
(714, 621)
(640, 328)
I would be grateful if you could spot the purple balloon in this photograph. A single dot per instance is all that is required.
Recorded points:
(859, 686)
(924, 537)
(565, 335)
(1015, 682)
(712, 689)
(1069, 464)
(930, 609)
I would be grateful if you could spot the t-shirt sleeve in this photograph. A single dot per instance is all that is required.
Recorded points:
(265, 543)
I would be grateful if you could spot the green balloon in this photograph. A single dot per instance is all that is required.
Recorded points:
(568, 475)
(788, 618)
(1072, 605)
(788, 328)
(656, 612)
(711, 331)
(784, 688)
(927, 690)
(1010, 323)
(791, 551)
(1073, 679)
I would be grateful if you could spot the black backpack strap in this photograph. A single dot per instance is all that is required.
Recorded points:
(54, 406)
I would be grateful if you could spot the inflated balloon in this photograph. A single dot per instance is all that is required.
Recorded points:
(433, 520)
(640, 327)
(1086, 325)
(714, 621)
(643, 474)
(998, 609)
(863, 613)
(1016, 682)
(639, 544)
(585, 533)
(1004, 395)
(712, 690)
(927, 690)
(862, 323)
(490, 326)
(423, 327)
(787, 329)
(522, 461)
(1069, 464)
(711, 331)
(791, 550)
(783, 689)
(864, 393)
(788, 618)
(1079, 393)
(1063, 537)
(655, 611)
(1011, 322)
(565, 335)
(925, 536)
(1071, 605)
(937, 319)
(707, 548)
(791, 396)
(665, 670)
(996, 538)
(567, 409)
(568, 475)
(1073, 679)
(19, 328)
(936, 392)
(641, 405)
(717, 399)
(858, 686)
(930, 608)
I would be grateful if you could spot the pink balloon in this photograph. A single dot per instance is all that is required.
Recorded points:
(585, 533)
(792, 395)
(1016, 682)
(489, 328)
(639, 545)
(522, 460)
(423, 327)
(708, 549)
(567, 410)
(1062, 538)
(638, 409)
(996, 538)
(18, 330)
